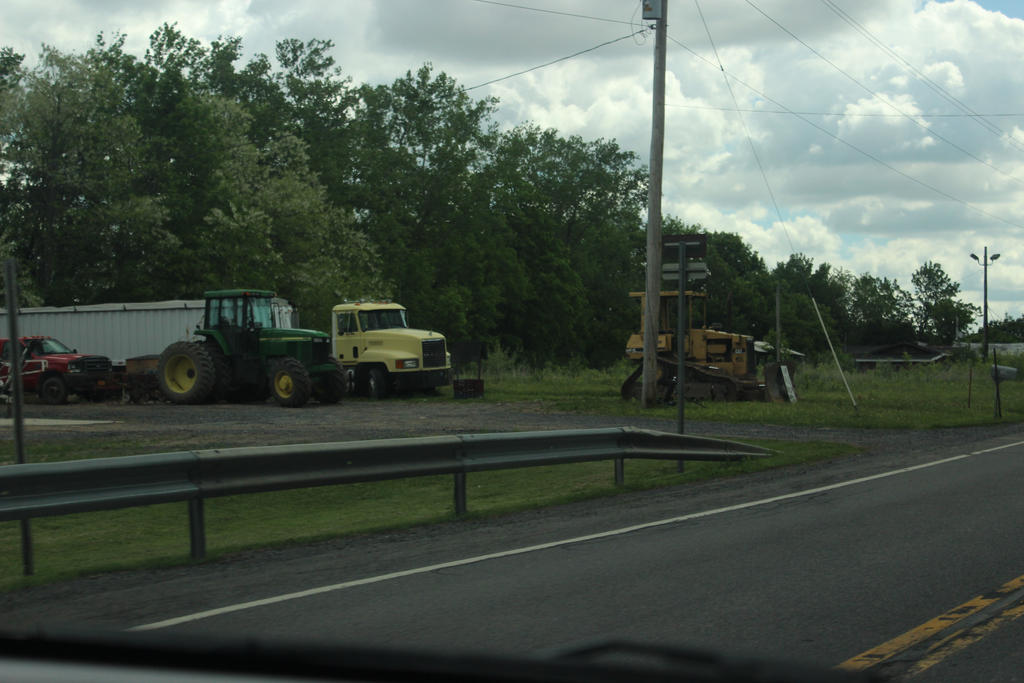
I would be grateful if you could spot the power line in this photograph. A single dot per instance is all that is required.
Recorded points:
(835, 114)
(883, 99)
(556, 61)
(764, 176)
(853, 147)
(750, 139)
(550, 11)
(938, 89)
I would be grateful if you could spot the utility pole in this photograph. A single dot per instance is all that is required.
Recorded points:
(657, 10)
(985, 262)
(778, 322)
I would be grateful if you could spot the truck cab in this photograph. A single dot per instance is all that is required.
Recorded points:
(382, 354)
(54, 371)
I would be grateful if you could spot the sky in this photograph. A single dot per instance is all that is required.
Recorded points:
(874, 135)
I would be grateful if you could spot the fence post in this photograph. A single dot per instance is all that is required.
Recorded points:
(196, 528)
(16, 358)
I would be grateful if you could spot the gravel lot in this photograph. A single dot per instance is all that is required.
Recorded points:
(225, 425)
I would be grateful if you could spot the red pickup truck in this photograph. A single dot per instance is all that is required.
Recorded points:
(53, 370)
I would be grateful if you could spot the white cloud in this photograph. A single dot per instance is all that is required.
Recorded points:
(946, 74)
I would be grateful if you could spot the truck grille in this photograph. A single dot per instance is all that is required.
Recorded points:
(95, 364)
(433, 353)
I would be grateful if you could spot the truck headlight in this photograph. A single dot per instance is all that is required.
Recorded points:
(407, 364)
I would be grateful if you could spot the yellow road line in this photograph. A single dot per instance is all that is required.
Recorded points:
(930, 628)
(962, 639)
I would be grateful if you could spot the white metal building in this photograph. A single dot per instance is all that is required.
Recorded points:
(117, 331)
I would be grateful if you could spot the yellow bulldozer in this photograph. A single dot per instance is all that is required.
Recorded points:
(718, 365)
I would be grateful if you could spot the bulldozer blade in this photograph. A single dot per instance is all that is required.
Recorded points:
(779, 384)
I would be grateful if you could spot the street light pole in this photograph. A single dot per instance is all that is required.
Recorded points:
(984, 262)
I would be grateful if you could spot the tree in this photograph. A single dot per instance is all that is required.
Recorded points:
(10, 68)
(939, 314)
(881, 312)
(802, 287)
(420, 141)
(70, 164)
(178, 171)
(572, 209)
(274, 226)
(1007, 330)
(132, 180)
(318, 101)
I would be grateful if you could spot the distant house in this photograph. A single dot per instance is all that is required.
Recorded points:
(903, 354)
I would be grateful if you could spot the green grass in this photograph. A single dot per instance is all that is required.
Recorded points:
(949, 395)
(88, 543)
(40, 449)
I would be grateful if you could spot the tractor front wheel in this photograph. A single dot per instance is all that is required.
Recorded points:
(331, 386)
(186, 373)
(290, 384)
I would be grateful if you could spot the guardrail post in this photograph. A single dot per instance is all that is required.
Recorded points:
(460, 493)
(28, 564)
(196, 528)
(620, 471)
(680, 465)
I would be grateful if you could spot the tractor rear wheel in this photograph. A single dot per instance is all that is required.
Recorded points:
(290, 384)
(222, 372)
(186, 373)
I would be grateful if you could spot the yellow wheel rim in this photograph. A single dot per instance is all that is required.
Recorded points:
(180, 373)
(283, 384)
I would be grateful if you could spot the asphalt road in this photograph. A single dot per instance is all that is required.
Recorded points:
(878, 556)
(818, 578)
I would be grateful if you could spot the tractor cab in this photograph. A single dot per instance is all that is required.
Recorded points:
(238, 316)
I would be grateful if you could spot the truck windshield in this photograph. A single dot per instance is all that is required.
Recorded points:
(42, 346)
(382, 320)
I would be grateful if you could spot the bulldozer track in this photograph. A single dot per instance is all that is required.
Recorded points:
(702, 383)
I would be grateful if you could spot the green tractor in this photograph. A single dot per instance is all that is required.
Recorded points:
(244, 355)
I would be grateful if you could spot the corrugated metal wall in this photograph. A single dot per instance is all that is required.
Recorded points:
(118, 331)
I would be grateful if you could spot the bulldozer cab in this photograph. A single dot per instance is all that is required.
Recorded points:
(696, 314)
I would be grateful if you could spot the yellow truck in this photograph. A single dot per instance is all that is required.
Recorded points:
(382, 354)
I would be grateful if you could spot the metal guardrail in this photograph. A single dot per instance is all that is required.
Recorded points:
(59, 488)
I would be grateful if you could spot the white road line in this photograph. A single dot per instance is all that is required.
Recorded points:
(545, 546)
